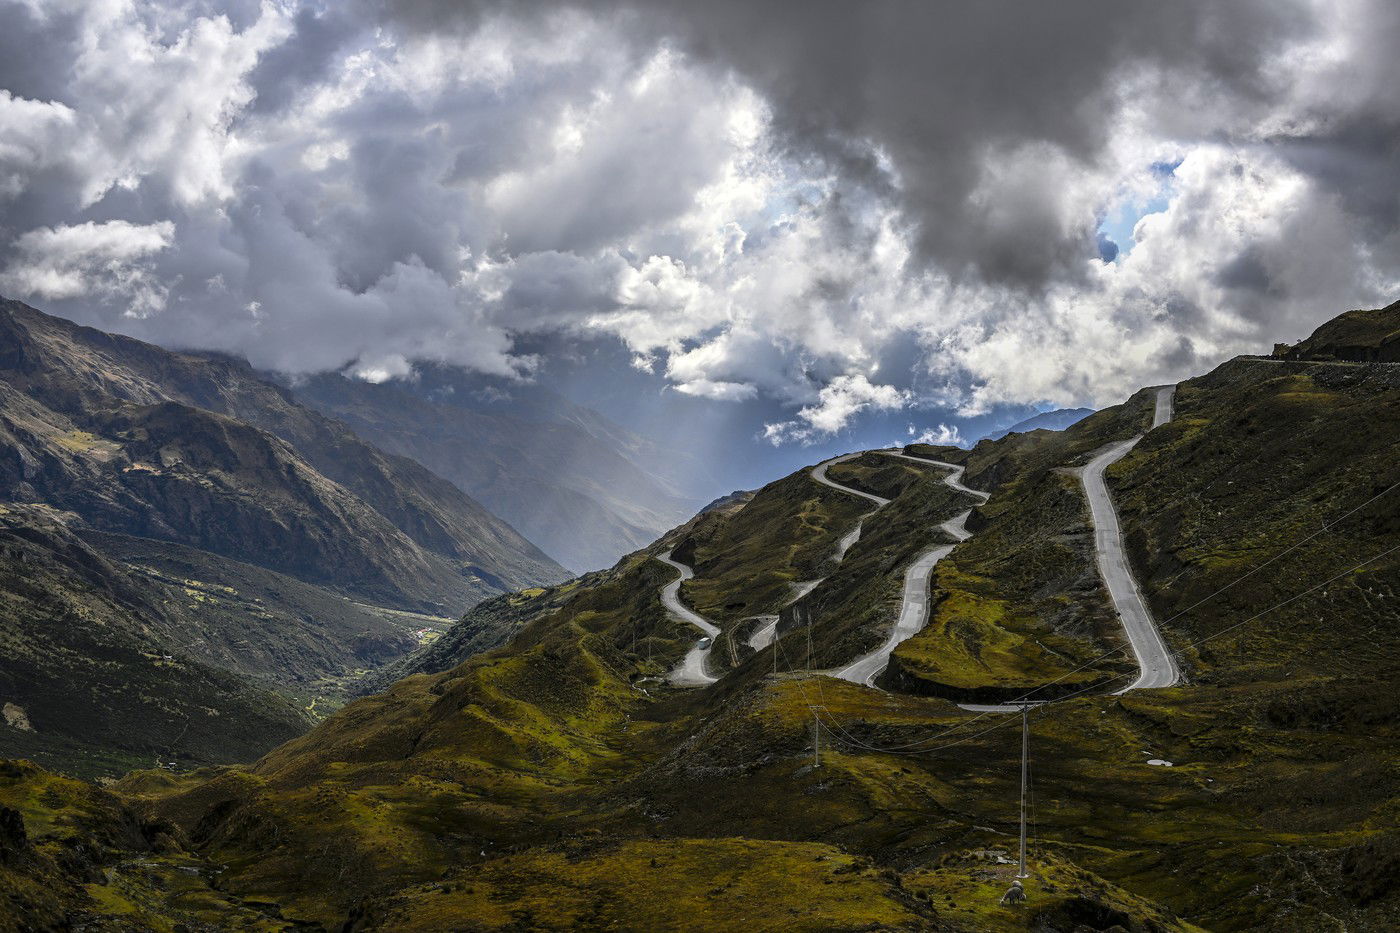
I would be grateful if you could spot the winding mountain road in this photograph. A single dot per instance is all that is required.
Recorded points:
(1157, 667)
(913, 610)
(819, 474)
(693, 669)
(763, 636)
(953, 479)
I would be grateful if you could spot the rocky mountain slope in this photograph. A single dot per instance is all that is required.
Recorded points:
(220, 557)
(559, 781)
(93, 409)
(585, 491)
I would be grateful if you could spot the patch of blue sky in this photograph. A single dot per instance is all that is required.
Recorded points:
(1115, 232)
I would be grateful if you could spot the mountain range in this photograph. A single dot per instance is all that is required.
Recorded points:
(1056, 420)
(582, 488)
(573, 754)
(222, 532)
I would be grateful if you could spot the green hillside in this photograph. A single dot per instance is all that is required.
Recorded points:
(558, 781)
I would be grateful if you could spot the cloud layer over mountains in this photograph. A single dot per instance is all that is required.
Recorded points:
(836, 208)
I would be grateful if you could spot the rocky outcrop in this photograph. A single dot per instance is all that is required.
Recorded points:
(1366, 336)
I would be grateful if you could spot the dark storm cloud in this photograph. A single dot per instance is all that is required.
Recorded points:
(304, 59)
(939, 86)
(818, 206)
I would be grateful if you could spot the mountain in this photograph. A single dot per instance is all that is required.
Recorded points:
(1357, 336)
(219, 556)
(585, 490)
(1056, 420)
(559, 780)
(142, 423)
(91, 671)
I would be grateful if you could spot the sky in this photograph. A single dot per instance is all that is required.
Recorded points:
(764, 229)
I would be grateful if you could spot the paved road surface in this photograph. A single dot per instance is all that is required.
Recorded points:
(954, 477)
(819, 474)
(693, 669)
(913, 610)
(762, 636)
(1166, 395)
(1157, 666)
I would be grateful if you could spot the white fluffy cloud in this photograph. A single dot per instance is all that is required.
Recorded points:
(316, 190)
(942, 435)
(107, 261)
(839, 401)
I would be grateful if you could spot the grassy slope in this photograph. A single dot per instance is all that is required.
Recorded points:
(746, 563)
(851, 612)
(1021, 604)
(539, 775)
(519, 748)
(1369, 335)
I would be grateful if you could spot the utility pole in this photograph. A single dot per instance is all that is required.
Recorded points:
(1025, 759)
(809, 643)
(816, 737)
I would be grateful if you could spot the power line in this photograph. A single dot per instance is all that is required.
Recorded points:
(1326, 526)
(910, 749)
(1025, 698)
(1312, 589)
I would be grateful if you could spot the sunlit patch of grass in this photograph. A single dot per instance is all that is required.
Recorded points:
(676, 884)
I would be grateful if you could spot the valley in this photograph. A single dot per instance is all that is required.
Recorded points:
(195, 568)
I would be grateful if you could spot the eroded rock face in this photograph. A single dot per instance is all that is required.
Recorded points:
(15, 717)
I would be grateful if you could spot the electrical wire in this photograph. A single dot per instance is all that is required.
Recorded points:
(1024, 699)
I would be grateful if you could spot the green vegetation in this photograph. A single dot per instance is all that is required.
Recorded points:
(192, 565)
(852, 610)
(558, 781)
(711, 884)
(1357, 336)
(746, 561)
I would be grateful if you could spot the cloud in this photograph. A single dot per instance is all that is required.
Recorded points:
(943, 435)
(106, 261)
(814, 219)
(837, 403)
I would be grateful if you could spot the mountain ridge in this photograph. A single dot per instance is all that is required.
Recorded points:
(230, 566)
(537, 780)
(576, 493)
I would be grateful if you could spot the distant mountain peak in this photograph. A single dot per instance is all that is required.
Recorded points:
(1056, 420)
